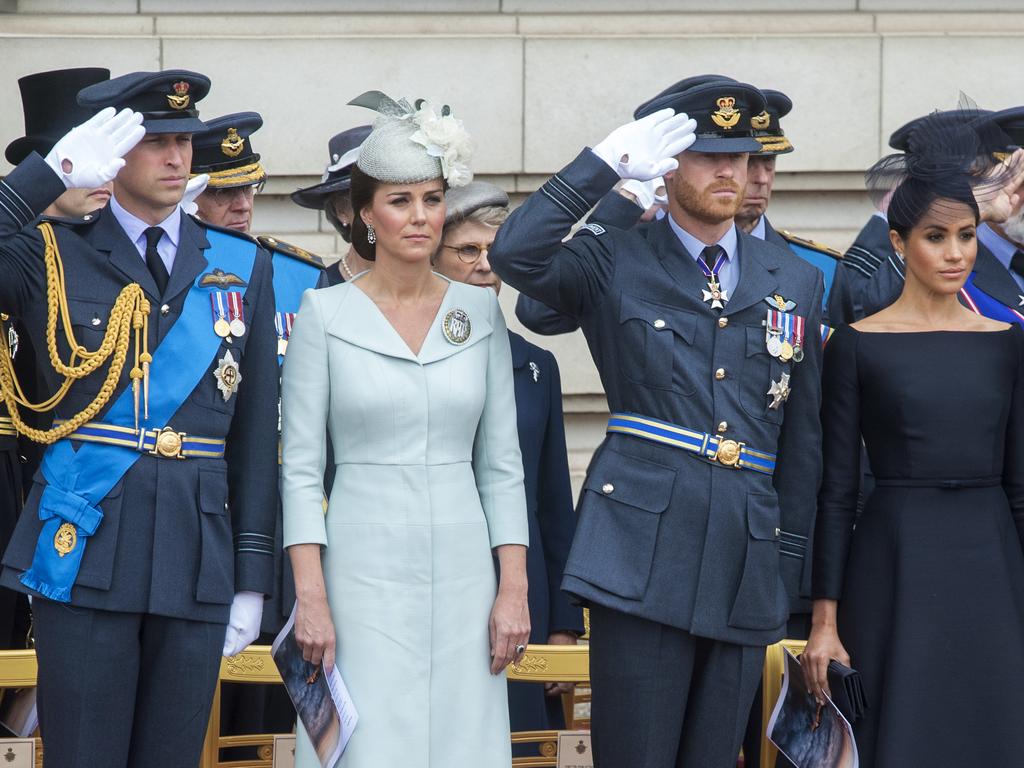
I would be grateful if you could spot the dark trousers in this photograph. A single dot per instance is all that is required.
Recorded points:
(663, 698)
(123, 689)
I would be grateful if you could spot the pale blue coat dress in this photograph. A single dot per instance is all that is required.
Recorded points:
(429, 480)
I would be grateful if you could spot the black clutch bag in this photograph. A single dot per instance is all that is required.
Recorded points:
(847, 691)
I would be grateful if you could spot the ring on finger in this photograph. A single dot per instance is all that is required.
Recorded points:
(520, 649)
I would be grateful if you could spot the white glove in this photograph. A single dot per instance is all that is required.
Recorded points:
(646, 193)
(244, 623)
(91, 154)
(195, 187)
(646, 148)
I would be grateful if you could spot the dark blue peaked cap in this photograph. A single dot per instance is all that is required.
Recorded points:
(723, 110)
(683, 85)
(167, 99)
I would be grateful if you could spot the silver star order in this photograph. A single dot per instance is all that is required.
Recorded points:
(716, 295)
(227, 375)
(779, 391)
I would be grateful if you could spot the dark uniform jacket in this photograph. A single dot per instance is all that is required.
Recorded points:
(661, 533)
(861, 262)
(990, 276)
(179, 537)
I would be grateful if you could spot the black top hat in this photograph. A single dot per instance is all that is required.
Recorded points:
(767, 128)
(167, 99)
(723, 110)
(338, 175)
(683, 85)
(223, 149)
(48, 100)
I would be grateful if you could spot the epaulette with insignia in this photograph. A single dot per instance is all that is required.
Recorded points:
(72, 221)
(294, 251)
(225, 230)
(814, 246)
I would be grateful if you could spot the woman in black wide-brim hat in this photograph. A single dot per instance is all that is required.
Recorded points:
(332, 197)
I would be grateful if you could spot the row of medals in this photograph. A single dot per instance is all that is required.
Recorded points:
(782, 349)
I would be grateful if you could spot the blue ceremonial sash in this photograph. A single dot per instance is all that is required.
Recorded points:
(77, 481)
(979, 301)
(291, 279)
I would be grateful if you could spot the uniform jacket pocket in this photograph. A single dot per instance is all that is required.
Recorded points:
(760, 369)
(761, 601)
(215, 581)
(620, 511)
(655, 343)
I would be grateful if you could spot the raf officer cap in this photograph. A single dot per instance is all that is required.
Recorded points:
(723, 110)
(167, 99)
(767, 128)
(344, 151)
(1011, 121)
(223, 149)
(683, 85)
(51, 110)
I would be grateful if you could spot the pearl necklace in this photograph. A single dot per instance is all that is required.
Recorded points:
(346, 270)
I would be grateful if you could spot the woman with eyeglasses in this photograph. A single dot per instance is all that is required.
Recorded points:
(474, 214)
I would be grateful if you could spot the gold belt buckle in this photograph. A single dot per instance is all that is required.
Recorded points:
(168, 444)
(728, 453)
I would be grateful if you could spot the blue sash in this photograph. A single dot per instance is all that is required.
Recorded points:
(979, 301)
(77, 481)
(291, 279)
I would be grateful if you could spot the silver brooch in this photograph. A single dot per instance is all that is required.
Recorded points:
(457, 327)
(535, 370)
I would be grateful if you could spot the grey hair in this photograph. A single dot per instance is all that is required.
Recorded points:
(489, 215)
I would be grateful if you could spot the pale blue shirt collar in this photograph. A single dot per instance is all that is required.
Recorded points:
(135, 228)
(729, 272)
(760, 229)
(1001, 248)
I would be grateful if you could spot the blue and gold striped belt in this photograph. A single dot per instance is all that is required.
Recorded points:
(165, 443)
(715, 448)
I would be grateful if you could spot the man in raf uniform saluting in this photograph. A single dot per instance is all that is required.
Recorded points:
(147, 538)
(696, 508)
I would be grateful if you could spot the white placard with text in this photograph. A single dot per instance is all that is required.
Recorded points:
(18, 753)
(284, 751)
(574, 750)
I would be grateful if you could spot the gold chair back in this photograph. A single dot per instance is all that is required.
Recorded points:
(19, 669)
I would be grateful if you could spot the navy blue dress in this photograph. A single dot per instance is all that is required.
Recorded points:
(552, 520)
(929, 578)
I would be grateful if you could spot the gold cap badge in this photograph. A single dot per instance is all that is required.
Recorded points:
(726, 115)
(761, 122)
(180, 98)
(233, 144)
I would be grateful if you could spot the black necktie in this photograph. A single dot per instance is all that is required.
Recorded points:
(710, 256)
(1017, 263)
(153, 260)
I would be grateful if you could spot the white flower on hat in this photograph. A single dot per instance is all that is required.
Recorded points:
(445, 137)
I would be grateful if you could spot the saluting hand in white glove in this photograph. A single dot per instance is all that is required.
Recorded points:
(244, 623)
(91, 154)
(646, 148)
(645, 193)
(195, 187)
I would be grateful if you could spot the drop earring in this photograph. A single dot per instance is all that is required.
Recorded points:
(371, 236)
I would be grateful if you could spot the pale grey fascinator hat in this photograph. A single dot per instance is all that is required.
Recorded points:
(411, 143)
(472, 197)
